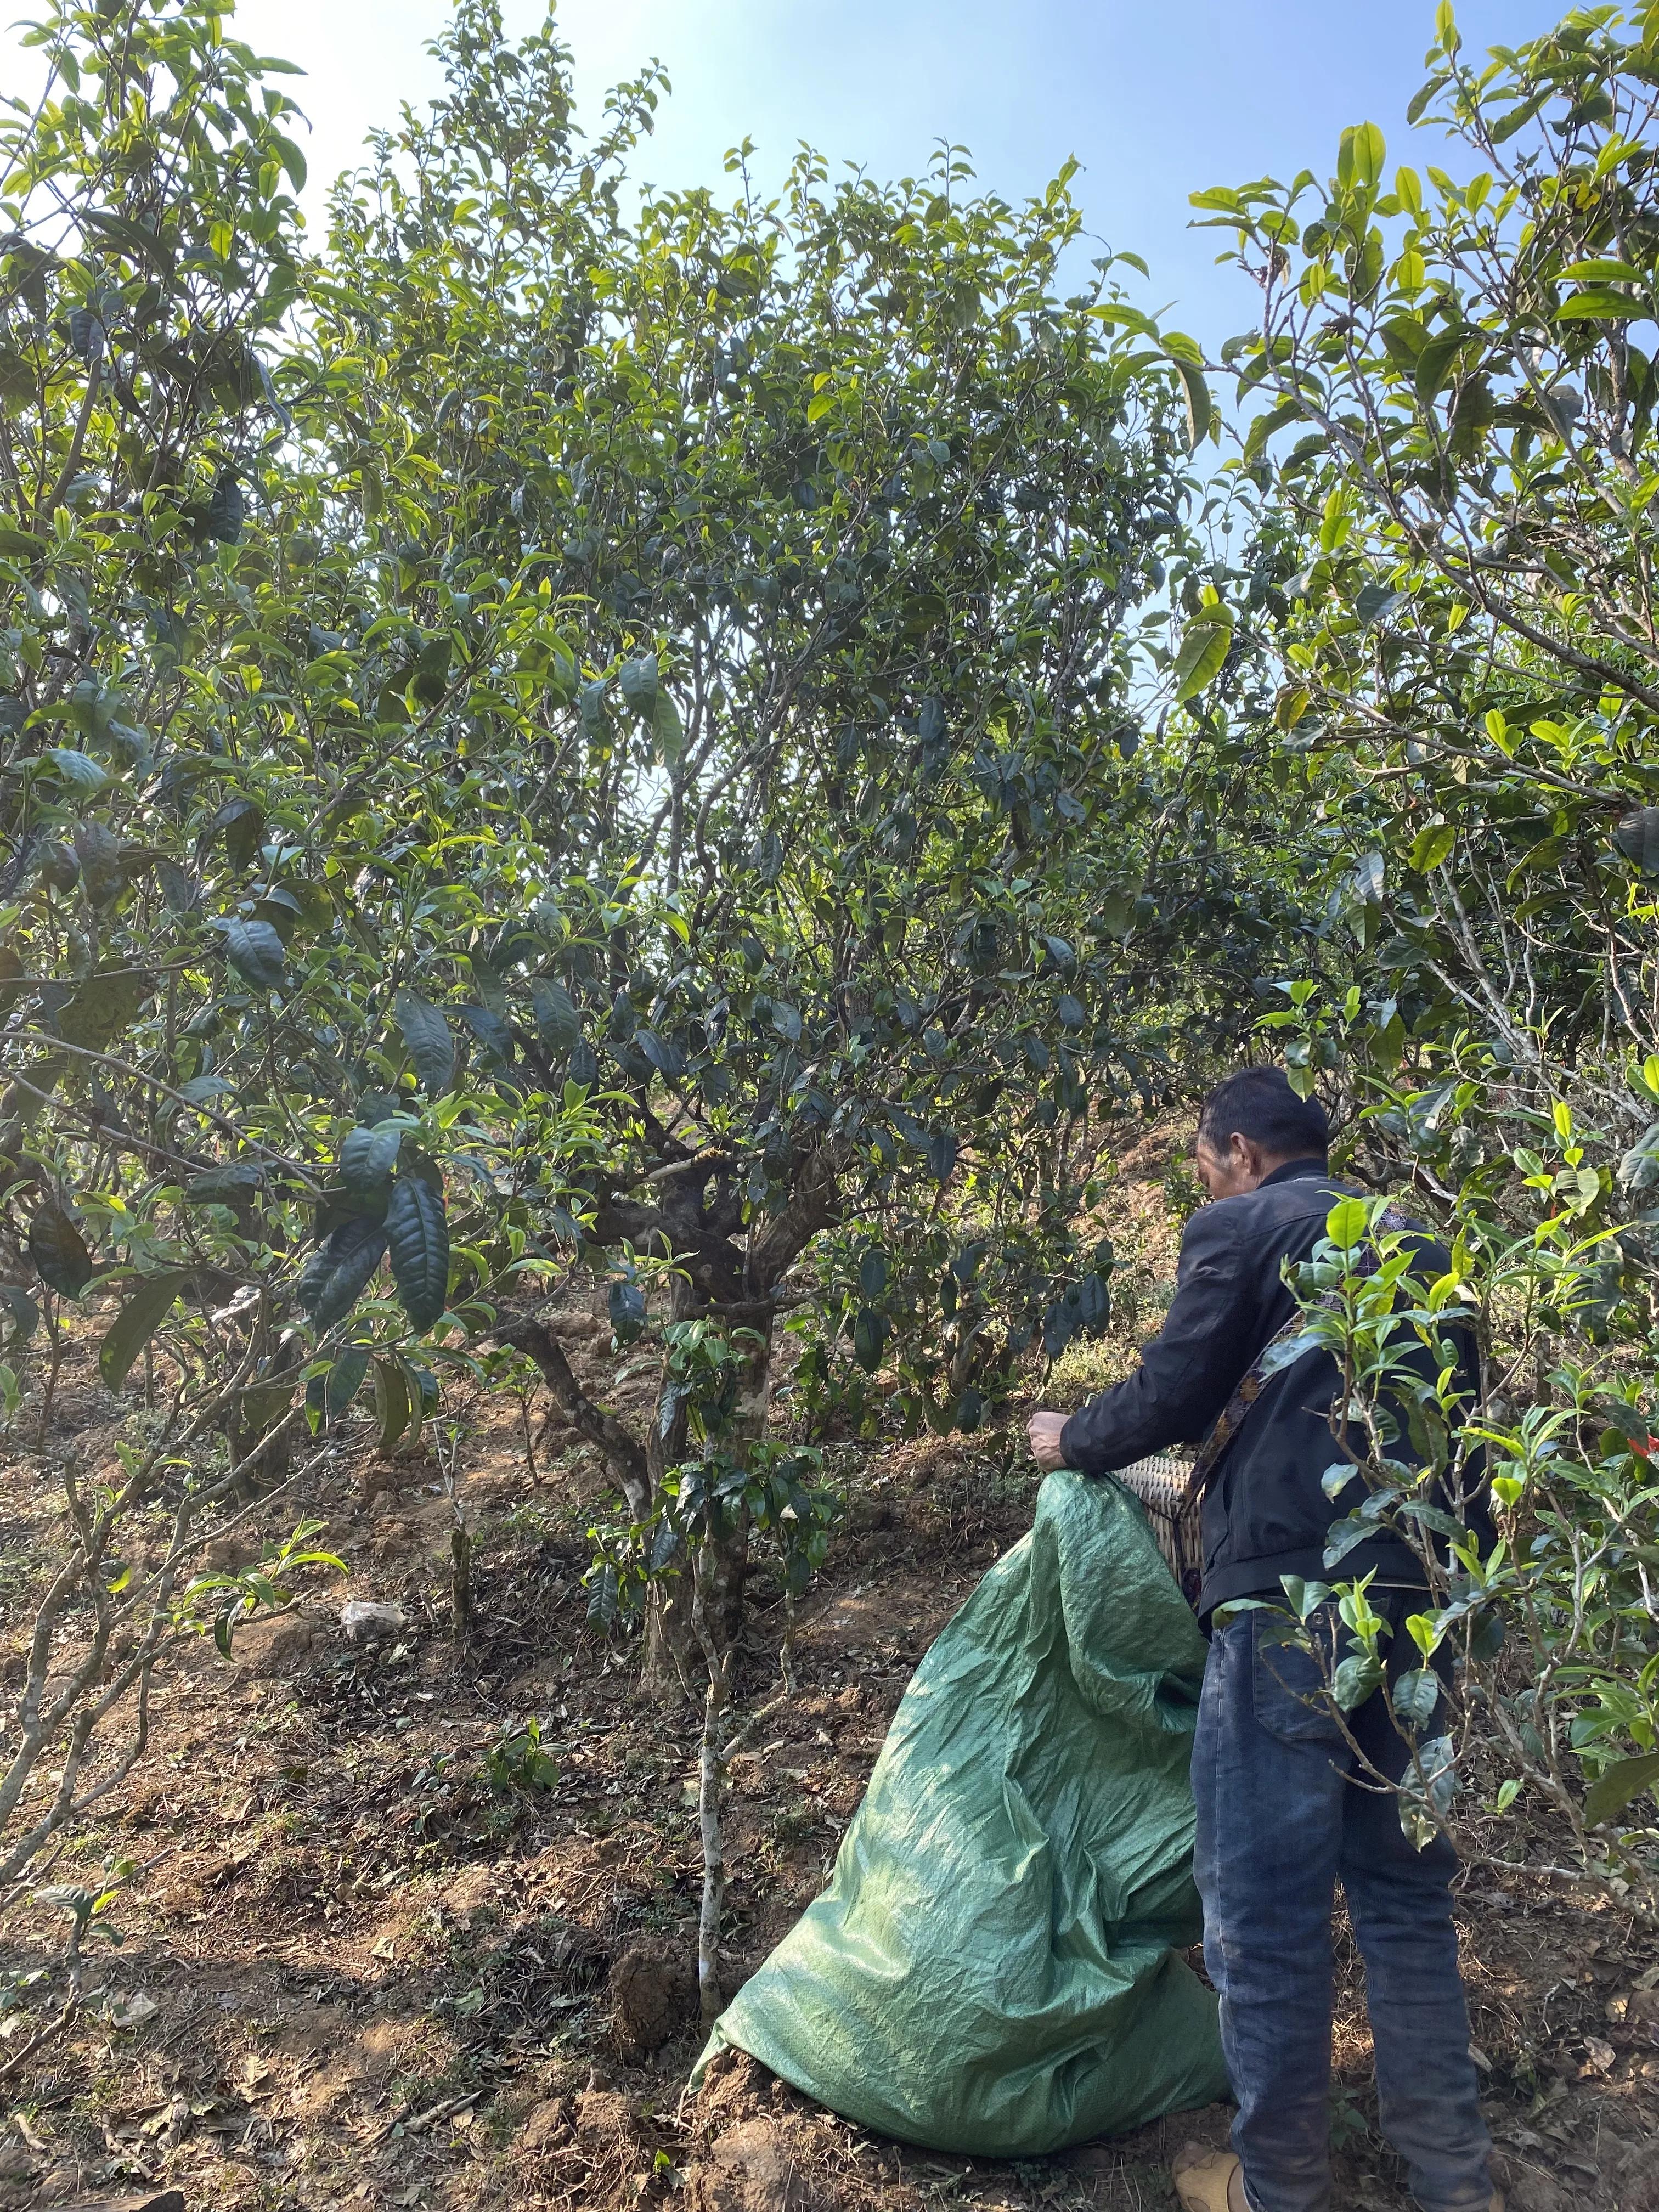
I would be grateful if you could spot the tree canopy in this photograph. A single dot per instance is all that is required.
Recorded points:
(722, 740)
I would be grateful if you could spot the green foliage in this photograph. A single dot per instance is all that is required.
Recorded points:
(950, 1307)
(147, 1307)
(220, 1602)
(545, 736)
(1449, 476)
(718, 741)
(1546, 1613)
(418, 1237)
(1445, 474)
(518, 1761)
(740, 1484)
(638, 701)
(58, 1251)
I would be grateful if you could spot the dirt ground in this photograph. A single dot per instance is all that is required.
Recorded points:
(354, 1968)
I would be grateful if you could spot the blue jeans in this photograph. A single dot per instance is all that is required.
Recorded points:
(1279, 1821)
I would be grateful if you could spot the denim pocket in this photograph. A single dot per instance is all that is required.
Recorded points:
(1287, 1687)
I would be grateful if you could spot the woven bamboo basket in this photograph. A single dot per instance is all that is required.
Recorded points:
(1160, 1484)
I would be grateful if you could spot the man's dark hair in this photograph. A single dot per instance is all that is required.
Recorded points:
(1259, 1103)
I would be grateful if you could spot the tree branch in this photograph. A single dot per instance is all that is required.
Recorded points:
(625, 1454)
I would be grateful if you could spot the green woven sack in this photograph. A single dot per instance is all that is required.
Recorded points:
(994, 1968)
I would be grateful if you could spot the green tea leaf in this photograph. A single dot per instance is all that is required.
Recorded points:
(341, 1268)
(1599, 304)
(1200, 407)
(431, 1045)
(557, 1021)
(255, 950)
(345, 1379)
(78, 769)
(1345, 1223)
(148, 1305)
(1430, 847)
(1637, 838)
(391, 1405)
(59, 1255)
(1619, 1785)
(103, 1008)
(1416, 1696)
(368, 1156)
(1203, 650)
(869, 1336)
(638, 682)
(223, 1186)
(1361, 152)
(492, 1032)
(417, 1235)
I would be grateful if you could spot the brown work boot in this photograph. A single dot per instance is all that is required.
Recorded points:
(1209, 2180)
(1213, 2181)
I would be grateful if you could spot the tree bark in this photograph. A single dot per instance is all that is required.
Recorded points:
(671, 1645)
(720, 1281)
(460, 1580)
(621, 1451)
(750, 1421)
(711, 1775)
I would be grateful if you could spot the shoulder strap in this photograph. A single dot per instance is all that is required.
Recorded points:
(1230, 1419)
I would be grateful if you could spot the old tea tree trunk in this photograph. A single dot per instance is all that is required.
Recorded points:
(688, 1480)
(722, 1272)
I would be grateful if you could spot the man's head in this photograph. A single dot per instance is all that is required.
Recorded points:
(1253, 1123)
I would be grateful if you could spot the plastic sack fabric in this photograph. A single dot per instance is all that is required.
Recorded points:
(994, 1968)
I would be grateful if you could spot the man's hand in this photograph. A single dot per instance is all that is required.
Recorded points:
(1044, 1431)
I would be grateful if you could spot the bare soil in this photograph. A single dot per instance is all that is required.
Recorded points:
(353, 1970)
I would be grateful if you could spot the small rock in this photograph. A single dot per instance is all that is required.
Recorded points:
(1526, 2190)
(1636, 2178)
(650, 1992)
(548, 2123)
(123, 2011)
(149, 2200)
(365, 1622)
(16, 2165)
(750, 2169)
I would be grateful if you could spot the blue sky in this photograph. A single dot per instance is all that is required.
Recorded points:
(1155, 101)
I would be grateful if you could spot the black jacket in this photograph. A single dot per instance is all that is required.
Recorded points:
(1265, 1513)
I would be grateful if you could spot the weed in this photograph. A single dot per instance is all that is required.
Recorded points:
(517, 1760)
(794, 1822)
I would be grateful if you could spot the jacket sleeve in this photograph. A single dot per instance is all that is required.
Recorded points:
(1190, 1370)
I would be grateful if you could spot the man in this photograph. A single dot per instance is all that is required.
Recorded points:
(1280, 1817)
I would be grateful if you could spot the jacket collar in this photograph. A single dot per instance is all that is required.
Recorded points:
(1296, 1171)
